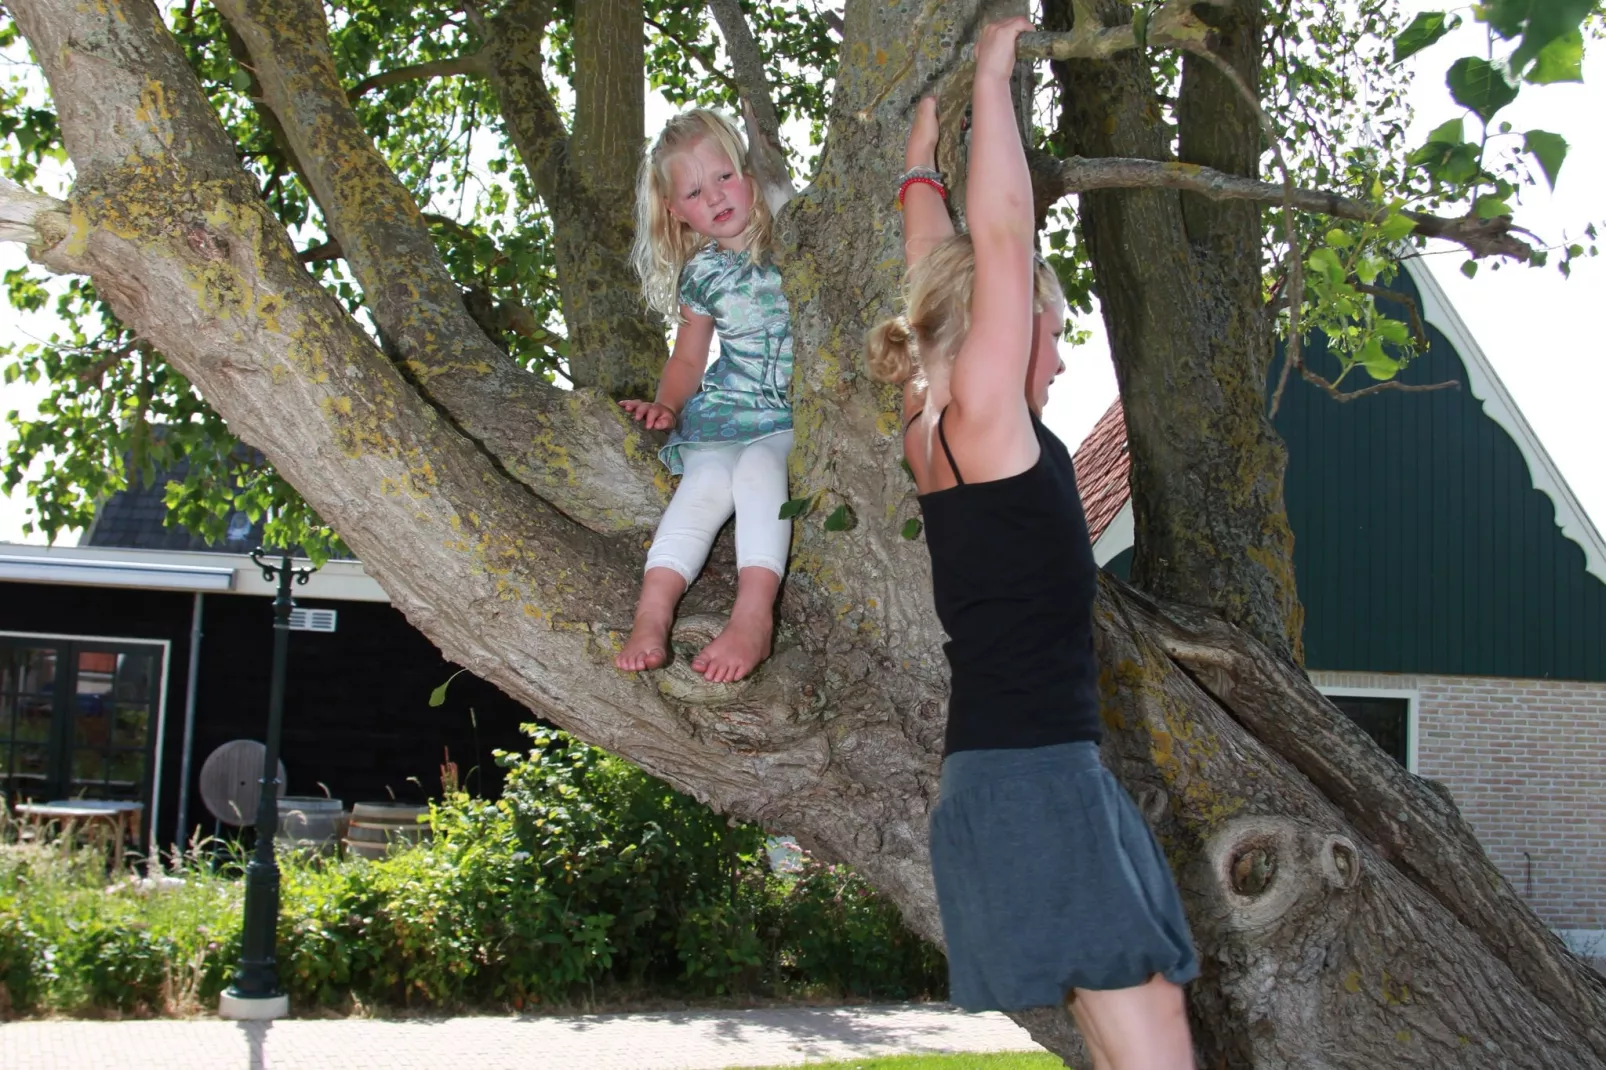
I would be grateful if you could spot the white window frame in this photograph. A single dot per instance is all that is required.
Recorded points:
(1413, 701)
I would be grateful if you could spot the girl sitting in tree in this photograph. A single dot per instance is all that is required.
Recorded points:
(702, 250)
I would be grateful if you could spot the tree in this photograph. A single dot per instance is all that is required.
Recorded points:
(1345, 914)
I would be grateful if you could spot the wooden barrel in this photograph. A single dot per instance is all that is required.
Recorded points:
(378, 828)
(311, 822)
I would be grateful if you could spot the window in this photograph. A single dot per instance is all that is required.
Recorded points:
(1387, 719)
(76, 717)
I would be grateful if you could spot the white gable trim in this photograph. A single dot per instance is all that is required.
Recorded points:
(1499, 407)
(1116, 537)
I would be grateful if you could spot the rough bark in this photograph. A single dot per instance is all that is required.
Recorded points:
(1335, 932)
(586, 180)
(1207, 467)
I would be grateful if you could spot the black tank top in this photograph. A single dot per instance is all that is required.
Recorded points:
(1013, 577)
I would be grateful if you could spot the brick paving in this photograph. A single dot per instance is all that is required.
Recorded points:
(700, 1040)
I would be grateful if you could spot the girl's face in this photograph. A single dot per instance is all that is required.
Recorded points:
(1046, 365)
(708, 193)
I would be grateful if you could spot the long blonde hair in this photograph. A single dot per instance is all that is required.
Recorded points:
(663, 243)
(921, 344)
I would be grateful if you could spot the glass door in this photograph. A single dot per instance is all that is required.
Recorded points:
(76, 717)
(28, 676)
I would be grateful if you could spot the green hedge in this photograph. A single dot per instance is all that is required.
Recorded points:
(587, 877)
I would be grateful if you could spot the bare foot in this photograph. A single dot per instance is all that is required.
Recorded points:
(737, 650)
(648, 645)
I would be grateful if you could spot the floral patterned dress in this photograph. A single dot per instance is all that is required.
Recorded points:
(743, 396)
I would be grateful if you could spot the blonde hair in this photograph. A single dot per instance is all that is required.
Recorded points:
(923, 342)
(663, 243)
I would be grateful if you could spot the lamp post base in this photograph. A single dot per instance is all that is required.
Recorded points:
(240, 1009)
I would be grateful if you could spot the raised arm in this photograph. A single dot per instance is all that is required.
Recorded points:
(925, 213)
(989, 374)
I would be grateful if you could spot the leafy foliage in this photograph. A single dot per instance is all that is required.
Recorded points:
(588, 874)
(116, 413)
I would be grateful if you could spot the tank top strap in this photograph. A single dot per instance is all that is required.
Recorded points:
(943, 438)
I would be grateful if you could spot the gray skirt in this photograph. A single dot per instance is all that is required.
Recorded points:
(1048, 879)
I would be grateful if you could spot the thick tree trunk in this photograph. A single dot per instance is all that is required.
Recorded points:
(1179, 282)
(1345, 915)
(586, 180)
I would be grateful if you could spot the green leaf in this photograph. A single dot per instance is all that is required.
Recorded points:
(1490, 207)
(841, 519)
(1326, 262)
(1478, 85)
(437, 697)
(1140, 25)
(1505, 17)
(1548, 21)
(1470, 269)
(795, 507)
(903, 462)
(911, 528)
(1393, 331)
(1452, 164)
(241, 81)
(1424, 30)
(1340, 239)
(1561, 61)
(1397, 227)
(1378, 364)
(1549, 149)
(1450, 133)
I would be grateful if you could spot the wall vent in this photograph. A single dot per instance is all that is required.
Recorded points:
(312, 620)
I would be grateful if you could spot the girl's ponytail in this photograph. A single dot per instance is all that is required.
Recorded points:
(889, 350)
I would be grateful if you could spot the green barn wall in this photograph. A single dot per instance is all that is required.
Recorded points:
(1420, 543)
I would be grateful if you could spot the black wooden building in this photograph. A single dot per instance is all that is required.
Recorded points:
(124, 662)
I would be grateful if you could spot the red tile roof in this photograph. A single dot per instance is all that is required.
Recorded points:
(1102, 467)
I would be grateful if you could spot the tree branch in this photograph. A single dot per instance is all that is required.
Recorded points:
(1336, 394)
(758, 105)
(513, 39)
(475, 63)
(415, 302)
(1053, 178)
(31, 218)
(1174, 25)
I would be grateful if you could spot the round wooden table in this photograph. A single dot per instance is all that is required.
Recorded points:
(117, 821)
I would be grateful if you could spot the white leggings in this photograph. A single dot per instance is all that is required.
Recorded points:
(749, 478)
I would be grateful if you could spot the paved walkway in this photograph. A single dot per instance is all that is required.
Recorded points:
(702, 1040)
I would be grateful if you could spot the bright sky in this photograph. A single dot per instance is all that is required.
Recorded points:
(1539, 330)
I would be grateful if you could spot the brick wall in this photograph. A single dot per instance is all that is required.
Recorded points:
(1526, 763)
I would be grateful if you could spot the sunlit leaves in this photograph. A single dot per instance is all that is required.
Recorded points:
(1543, 23)
(1345, 271)
(1561, 61)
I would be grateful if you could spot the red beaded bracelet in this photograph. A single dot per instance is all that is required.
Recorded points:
(920, 180)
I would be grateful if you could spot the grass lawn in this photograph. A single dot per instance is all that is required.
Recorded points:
(967, 1061)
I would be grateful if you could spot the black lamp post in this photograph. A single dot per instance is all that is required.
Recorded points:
(255, 994)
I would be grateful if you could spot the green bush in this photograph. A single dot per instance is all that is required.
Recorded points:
(834, 932)
(24, 963)
(587, 876)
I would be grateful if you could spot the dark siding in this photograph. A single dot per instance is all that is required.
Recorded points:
(357, 714)
(1421, 544)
